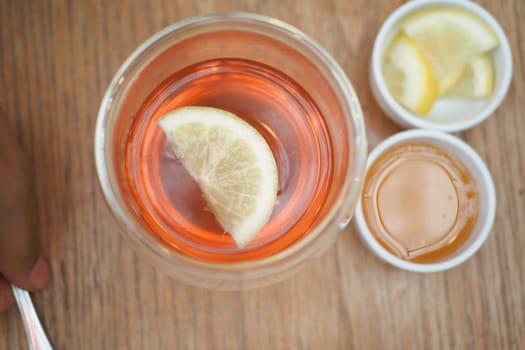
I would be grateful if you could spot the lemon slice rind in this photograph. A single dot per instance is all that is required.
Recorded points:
(477, 79)
(409, 77)
(449, 37)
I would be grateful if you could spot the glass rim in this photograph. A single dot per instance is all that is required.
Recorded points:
(355, 170)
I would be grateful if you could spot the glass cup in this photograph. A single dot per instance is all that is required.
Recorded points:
(244, 36)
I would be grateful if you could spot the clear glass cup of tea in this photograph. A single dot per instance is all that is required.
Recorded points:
(278, 80)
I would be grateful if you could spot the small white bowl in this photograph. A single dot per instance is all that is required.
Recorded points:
(450, 115)
(485, 186)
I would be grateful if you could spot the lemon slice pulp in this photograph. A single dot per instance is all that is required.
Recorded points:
(477, 79)
(232, 164)
(450, 80)
(449, 37)
(409, 77)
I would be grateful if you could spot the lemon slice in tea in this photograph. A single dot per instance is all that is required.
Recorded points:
(449, 37)
(232, 164)
(477, 79)
(409, 77)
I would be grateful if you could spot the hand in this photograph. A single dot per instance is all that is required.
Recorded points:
(21, 262)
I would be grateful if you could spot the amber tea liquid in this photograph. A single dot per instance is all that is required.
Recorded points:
(170, 202)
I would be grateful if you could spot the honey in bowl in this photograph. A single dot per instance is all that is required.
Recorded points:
(419, 202)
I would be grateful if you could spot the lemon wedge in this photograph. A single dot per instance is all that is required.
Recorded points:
(232, 164)
(476, 80)
(450, 80)
(449, 37)
(409, 77)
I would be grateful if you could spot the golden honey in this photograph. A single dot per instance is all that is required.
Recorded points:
(419, 202)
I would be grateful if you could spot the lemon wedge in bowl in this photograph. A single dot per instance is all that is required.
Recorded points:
(408, 76)
(476, 80)
(450, 80)
(232, 164)
(449, 37)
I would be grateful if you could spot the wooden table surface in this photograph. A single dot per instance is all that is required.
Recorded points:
(56, 59)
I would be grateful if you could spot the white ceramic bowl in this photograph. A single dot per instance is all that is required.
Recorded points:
(480, 174)
(450, 115)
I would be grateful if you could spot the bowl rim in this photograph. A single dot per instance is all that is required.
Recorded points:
(488, 186)
(411, 119)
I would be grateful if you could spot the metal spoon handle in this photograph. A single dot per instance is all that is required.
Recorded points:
(35, 333)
